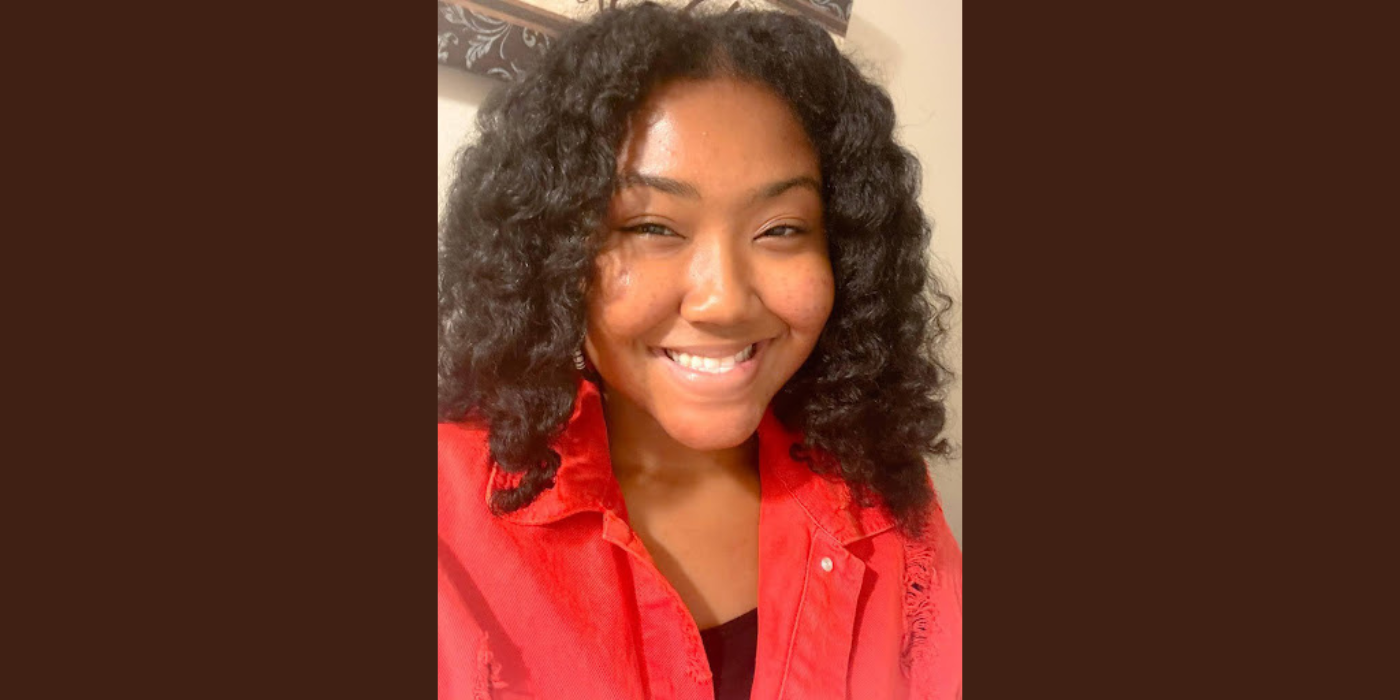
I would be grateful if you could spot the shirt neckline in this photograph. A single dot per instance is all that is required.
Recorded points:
(733, 626)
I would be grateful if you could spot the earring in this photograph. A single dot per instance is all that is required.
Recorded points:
(579, 363)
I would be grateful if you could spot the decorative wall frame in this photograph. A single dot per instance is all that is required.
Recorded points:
(502, 38)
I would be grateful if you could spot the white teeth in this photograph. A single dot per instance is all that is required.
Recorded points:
(710, 365)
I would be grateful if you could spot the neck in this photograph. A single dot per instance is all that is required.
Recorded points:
(642, 450)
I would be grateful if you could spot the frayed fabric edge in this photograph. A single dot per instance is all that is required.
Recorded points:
(488, 671)
(920, 615)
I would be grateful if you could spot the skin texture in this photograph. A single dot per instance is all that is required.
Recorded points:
(715, 242)
(722, 266)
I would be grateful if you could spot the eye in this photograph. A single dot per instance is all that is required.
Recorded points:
(650, 230)
(781, 232)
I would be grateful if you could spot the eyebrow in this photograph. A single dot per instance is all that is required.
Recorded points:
(680, 188)
(778, 188)
(633, 178)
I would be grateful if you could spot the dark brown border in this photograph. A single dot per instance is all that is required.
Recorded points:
(231, 473)
(1174, 480)
(1180, 473)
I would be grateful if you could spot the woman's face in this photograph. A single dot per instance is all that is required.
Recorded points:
(714, 283)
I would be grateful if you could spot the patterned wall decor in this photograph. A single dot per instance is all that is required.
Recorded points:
(500, 38)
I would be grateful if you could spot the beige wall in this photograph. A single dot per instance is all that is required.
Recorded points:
(914, 49)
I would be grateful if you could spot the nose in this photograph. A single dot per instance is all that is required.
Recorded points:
(720, 290)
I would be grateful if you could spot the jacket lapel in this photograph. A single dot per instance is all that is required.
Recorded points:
(809, 583)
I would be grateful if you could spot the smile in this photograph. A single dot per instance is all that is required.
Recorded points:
(715, 372)
(710, 365)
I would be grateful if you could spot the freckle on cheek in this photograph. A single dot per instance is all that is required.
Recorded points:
(810, 297)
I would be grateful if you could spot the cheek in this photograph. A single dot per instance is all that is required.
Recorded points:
(626, 302)
(803, 296)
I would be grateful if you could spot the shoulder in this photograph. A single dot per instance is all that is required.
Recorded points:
(459, 441)
(935, 554)
(464, 468)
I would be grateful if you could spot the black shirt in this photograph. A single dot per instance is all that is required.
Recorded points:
(731, 649)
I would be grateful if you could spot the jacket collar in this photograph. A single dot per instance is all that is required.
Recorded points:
(585, 481)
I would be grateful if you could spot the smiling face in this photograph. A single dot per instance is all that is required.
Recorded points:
(714, 283)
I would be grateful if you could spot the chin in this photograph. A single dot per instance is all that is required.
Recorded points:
(709, 429)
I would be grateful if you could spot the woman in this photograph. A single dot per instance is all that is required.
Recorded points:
(685, 389)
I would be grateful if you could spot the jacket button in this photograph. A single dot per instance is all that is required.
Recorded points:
(826, 563)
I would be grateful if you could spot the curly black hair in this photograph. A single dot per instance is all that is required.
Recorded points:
(524, 222)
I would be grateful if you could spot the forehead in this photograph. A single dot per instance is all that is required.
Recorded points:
(719, 133)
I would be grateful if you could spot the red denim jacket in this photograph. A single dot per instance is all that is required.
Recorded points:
(561, 600)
